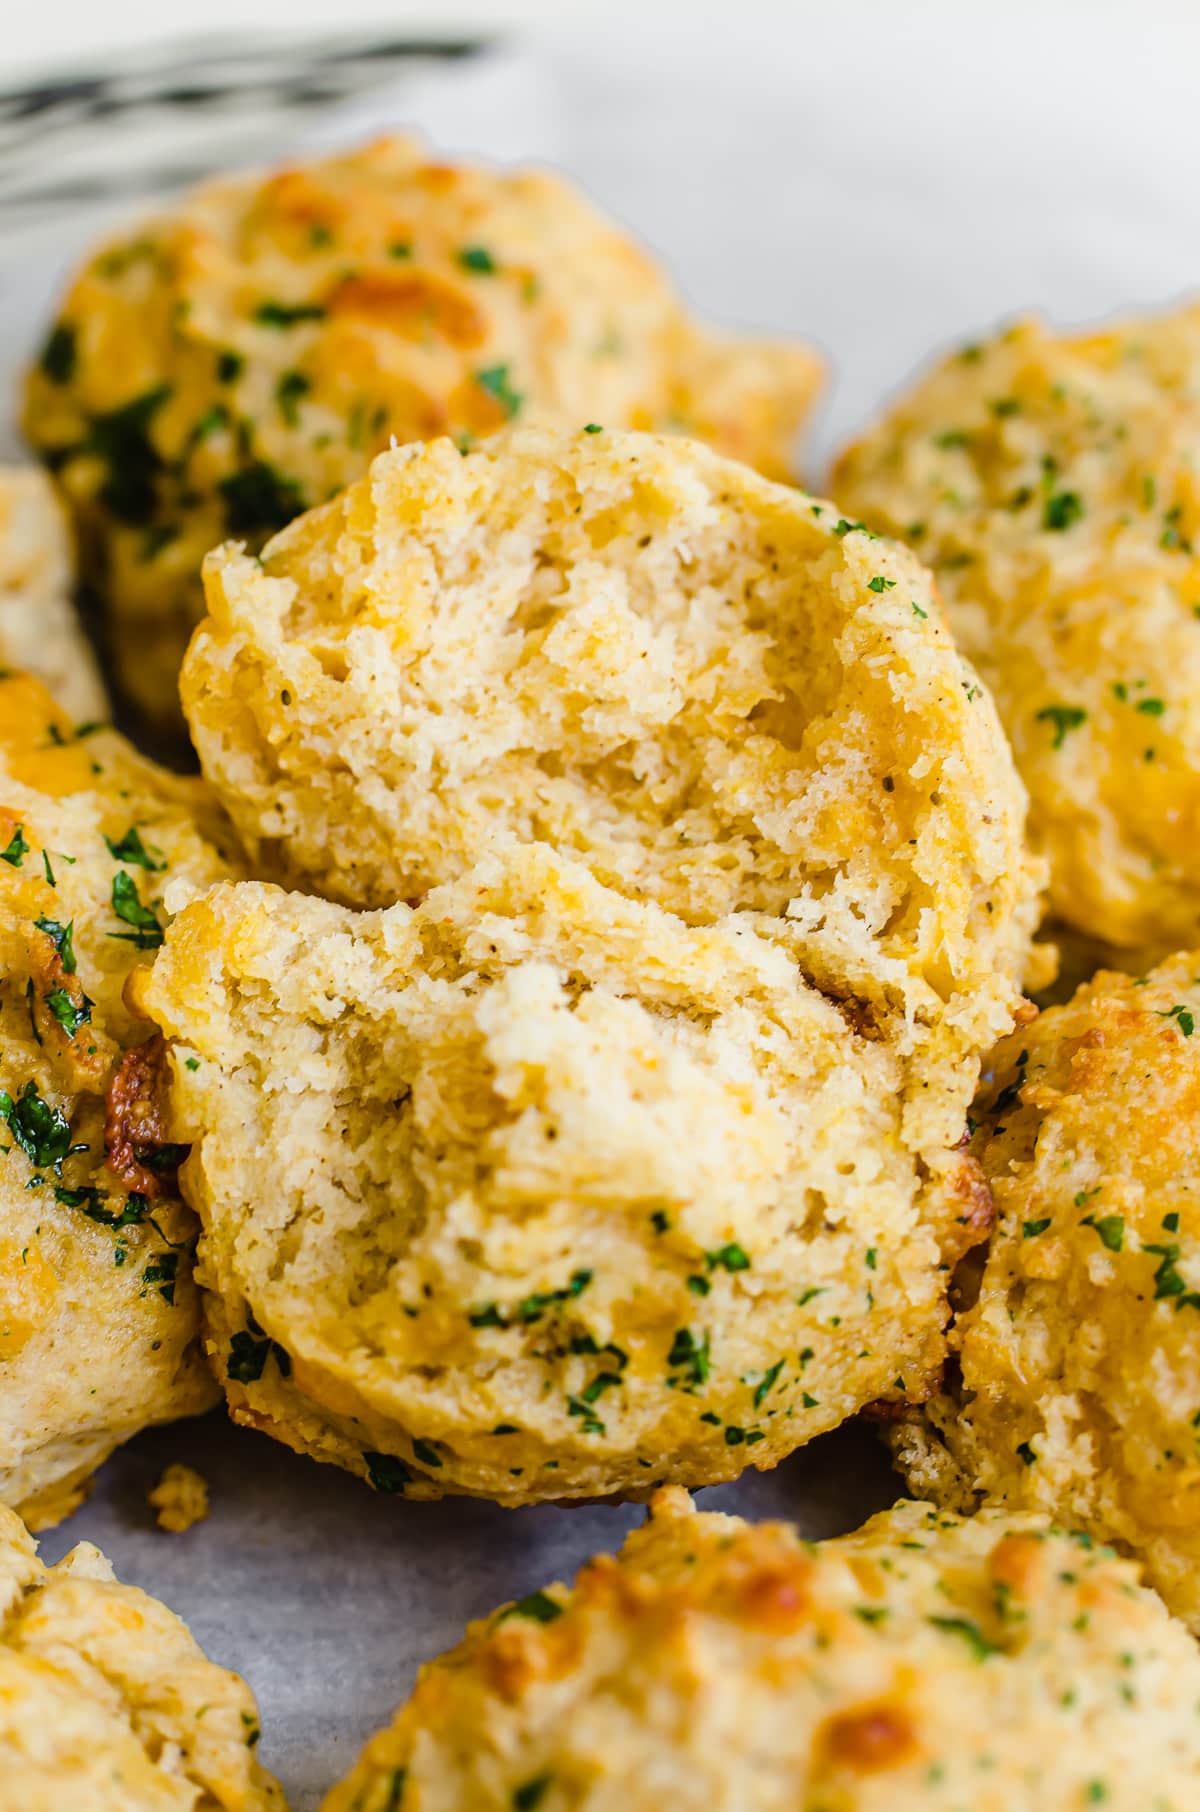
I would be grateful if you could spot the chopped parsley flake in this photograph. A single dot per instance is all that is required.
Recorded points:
(288, 391)
(1167, 1279)
(386, 1472)
(287, 314)
(530, 1308)
(17, 849)
(731, 1257)
(120, 439)
(69, 1013)
(477, 258)
(131, 849)
(1064, 718)
(530, 1794)
(160, 1275)
(538, 1605)
(1109, 1228)
(128, 907)
(495, 380)
(1184, 1018)
(1061, 509)
(258, 500)
(880, 584)
(60, 354)
(970, 1632)
(767, 1383)
(690, 1357)
(39, 1128)
(61, 936)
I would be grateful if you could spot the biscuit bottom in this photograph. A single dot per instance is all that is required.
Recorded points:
(921, 1663)
(537, 1192)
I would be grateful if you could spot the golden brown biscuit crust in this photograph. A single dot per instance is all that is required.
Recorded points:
(1049, 480)
(106, 1702)
(98, 1314)
(240, 359)
(923, 1662)
(1080, 1357)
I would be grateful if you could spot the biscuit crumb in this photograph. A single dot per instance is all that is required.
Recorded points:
(179, 1499)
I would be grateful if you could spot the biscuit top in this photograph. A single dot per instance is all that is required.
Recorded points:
(106, 1702)
(717, 692)
(923, 1662)
(1050, 481)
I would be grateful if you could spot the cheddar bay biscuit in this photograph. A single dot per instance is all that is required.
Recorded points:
(1077, 1387)
(1050, 481)
(239, 359)
(922, 1662)
(106, 1702)
(98, 1315)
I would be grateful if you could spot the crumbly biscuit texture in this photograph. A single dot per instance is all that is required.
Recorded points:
(1079, 1360)
(537, 1192)
(98, 1314)
(39, 631)
(922, 1662)
(106, 1702)
(713, 690)
(239, 359)
(1050, 482)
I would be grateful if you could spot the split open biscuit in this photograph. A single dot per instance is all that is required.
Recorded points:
(713, 691)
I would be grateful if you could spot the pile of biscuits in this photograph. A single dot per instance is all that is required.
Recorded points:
(573, 1039)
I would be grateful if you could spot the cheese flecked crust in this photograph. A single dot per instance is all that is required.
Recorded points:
(106, 1702)
(239, 359)
(1050, 481)
(39, 631)
(1080, 1360)
(718, 1666)
(710, 689)
(98, 1314)
(537, 1192)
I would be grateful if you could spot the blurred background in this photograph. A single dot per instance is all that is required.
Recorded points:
(881, 178)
